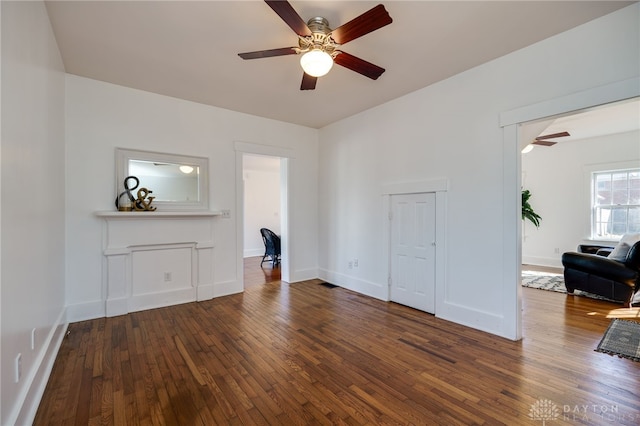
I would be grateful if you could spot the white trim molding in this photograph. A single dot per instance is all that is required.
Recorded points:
(416, 187)
(614, 92)
(287, 157)
(439, 186)
(270, 150)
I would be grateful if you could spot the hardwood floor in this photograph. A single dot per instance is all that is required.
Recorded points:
(307, 354)
(256, 274)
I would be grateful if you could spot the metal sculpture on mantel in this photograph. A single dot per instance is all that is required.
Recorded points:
(126, 202)
(143, 203)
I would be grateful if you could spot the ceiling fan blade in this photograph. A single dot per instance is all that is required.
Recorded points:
(308, 82)
(553, 136)
(268, 53)
(369, 21)
(289, 16)
(543, 143)
(358, 65)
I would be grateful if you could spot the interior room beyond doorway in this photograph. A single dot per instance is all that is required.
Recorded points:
(262, 182)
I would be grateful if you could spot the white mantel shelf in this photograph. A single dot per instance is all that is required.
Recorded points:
(112, 214)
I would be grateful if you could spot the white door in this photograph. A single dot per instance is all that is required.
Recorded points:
(413, 236)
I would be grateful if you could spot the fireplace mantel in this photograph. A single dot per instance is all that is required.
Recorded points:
(155, 259)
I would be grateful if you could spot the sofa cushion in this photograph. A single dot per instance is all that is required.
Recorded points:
(621, 250)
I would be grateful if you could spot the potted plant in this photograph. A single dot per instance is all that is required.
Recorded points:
(527, 210)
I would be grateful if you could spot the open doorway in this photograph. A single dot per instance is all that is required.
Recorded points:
(262, 210)
(513, 122)
(558, 174)
(284, 157)
(583, 183)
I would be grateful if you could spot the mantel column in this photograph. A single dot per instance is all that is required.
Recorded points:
(116, 281)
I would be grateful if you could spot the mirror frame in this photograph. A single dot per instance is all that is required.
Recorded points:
(122, 171)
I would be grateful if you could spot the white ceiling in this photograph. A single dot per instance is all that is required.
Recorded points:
(614, 118)
(188, 49)
(619, 117)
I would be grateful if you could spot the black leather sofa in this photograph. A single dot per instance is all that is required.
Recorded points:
(598, 274)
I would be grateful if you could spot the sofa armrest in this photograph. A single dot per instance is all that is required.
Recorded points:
(600, 266)
(633, 257)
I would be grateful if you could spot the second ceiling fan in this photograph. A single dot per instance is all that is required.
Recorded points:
(544, 139)
(319, 44)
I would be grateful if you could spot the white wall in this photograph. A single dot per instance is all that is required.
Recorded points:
(559, 179)
(261, 201)
(451, 130)
(446, 130)
(101, 117)
(32, 170)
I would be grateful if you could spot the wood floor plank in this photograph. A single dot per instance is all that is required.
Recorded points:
(307, 354)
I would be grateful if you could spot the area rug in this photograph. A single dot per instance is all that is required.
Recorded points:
(622, 338)
(553, 282)
(544, 281)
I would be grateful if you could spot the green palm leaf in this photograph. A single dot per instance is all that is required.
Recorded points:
(527, 210)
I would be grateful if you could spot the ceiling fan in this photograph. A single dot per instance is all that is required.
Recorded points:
(543, 140)
(319, 44)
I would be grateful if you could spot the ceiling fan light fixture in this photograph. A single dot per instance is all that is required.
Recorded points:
(316, 62)
(528, 148)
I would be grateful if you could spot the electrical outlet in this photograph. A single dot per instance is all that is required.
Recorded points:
(18, 368)
(33, 339)
(226, 214)
(355, 263)
(167, 277)
(556, 250)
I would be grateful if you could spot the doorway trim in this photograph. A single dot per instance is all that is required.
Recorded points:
(510, 121)
(286, 158)
(439, 186)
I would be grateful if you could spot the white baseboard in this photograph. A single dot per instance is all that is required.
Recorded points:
(114, 307)
(143, 302)
(473, 318)
(204, 292)
(464, 315)
(304, 275)
(542, 261)
(368, 288)
(227, 288)
(28, 401)
(86, 311)
(253, 252)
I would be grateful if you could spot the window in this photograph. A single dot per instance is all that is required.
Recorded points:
(615, 203)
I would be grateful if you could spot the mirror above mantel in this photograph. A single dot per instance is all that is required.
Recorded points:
(178, 182)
